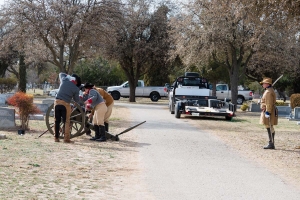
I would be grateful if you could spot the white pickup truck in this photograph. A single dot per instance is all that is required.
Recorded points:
(223, 92)
(190, 95)
(152, 92)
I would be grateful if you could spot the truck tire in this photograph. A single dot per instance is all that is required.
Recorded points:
(240, 100)
(177, 110)
(171, 108)
(154, 96)
(116, 95)
(228, 118)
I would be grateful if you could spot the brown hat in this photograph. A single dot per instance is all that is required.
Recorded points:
(266, 80)
(88, 85)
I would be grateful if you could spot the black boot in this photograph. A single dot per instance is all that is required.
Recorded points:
(271, 144)
(97, 133)
(102, 134)
(106, 126)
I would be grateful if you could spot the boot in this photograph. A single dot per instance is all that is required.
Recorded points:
(271, 144)
(88, 131)
(67, 138)
(56, 139)
(106, 126)
(102, 134)
(97, 133)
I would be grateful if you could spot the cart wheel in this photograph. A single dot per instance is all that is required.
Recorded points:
(77, 122)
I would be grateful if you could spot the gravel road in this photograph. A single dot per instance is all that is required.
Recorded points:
(179, 161)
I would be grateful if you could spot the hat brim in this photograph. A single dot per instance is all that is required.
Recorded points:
(265, 82)
(88, 86)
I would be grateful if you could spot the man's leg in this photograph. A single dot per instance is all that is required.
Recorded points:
(66, 118)
(57, 120)
(98, 119)
(271, 142)
(107, 116)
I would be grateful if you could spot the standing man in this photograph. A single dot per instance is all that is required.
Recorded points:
(68, 90)
(96, 102)
(269, 114)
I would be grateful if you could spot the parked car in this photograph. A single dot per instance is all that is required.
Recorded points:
(152, 92)
(223, 92)
(53, 93)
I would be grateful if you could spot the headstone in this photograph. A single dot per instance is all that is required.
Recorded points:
(254, 107)
(2, 99)
(48, 101)
(36, 117)
(2, 137)
(284, 111)
(297, 113)
(7, 117)
(42, 107)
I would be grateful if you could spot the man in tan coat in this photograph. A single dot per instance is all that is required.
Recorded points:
(269, 113)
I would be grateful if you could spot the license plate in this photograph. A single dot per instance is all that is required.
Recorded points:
(195, 114)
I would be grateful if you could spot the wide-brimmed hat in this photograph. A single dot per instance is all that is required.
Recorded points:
(88, 85)
(266, 80)
(78, 79)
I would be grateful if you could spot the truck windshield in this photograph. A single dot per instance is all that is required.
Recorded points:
(192, 81)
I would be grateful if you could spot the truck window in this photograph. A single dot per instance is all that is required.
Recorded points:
(221, 87)
(139, 84)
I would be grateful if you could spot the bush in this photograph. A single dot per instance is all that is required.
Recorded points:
(244, 107)
(280, 103)
(24, 107)
(295, 100)
(7, 84)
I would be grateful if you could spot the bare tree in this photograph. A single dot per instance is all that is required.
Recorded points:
(137, 41)
(60, 32)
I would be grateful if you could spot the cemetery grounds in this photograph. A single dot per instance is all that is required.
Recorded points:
(38, 168)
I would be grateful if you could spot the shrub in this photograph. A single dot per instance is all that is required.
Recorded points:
(24, 107)
(280, 103)
(244, 107)
(295, 100)
(7, 84)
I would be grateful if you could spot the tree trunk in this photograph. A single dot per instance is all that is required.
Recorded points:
(214, 86)
(22, 74)
(132, 85)
(234, 76)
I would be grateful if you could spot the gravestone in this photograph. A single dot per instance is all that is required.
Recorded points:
(2, 99)
(36, 117)
(297, 113)
(284, 111)
(48, 101)
(254, 107)
(42, 107)
(7, 117)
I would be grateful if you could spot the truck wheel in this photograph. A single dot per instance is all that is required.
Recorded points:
(240, 100)
(171, 107)
(115, 95)
(177, 111)
(154, 96)
(228, 118)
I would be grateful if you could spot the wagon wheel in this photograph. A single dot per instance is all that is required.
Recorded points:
(77, 121)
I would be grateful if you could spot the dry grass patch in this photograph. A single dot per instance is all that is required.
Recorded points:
(39, 168)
